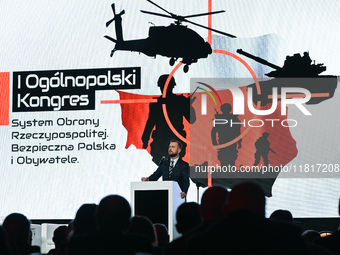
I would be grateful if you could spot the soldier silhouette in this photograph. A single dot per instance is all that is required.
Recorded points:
(178, 106)
(262, 149)
(227, 132)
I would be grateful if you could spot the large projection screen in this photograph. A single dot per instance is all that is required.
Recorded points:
(67, 136)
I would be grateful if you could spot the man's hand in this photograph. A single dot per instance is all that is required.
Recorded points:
(144, 179)
(183, 195)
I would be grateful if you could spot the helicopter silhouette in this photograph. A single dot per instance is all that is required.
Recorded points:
(174, 41)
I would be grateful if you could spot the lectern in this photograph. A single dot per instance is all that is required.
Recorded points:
(158, 201)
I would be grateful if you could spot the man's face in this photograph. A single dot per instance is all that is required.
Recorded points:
(174, 150)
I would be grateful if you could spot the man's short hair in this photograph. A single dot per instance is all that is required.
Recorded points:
(176, 141)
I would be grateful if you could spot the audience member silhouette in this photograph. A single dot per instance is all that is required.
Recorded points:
(162, 234)
(246, 196)
(112, 218)
(17, 228)
(187, 217)
(84, 222)
(141, 225)
(282, 215)
(213, 203)
(245, 229)
(233, 223)
(211, 209)
(60, 240)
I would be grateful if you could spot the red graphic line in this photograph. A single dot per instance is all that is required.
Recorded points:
(4, 99)
(129, 101)
(301, 95)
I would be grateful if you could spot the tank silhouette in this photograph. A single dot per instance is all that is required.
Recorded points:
(297, 71)
(294, 66)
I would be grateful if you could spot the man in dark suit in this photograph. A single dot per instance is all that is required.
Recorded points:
(173, 168)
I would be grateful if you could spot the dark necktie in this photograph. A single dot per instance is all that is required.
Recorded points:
(171, 167)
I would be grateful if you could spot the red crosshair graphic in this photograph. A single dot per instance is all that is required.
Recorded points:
(258, 89)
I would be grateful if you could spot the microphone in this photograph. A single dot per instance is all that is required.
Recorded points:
(161, 161)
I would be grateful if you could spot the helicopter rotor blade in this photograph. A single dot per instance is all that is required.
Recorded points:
(113, 9)
(110, 38)
(114, 14)
(203, 14)
(109, 22)
(160, 7)
(217, 31)
(121, 13)
(157, 14)
(183, 18)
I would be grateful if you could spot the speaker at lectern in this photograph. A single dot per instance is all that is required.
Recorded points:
(158, 201)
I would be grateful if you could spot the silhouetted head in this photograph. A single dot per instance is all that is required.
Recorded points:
(113, 214)
(282, 215)
(142, 225)
(265, 135)
(162, 234)
(59, 235)
(248, 196)
(187, 217)
(84, 221)
(17, 228)
(226, 108)
(213, 203)
(161, 82)
(175, 148)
